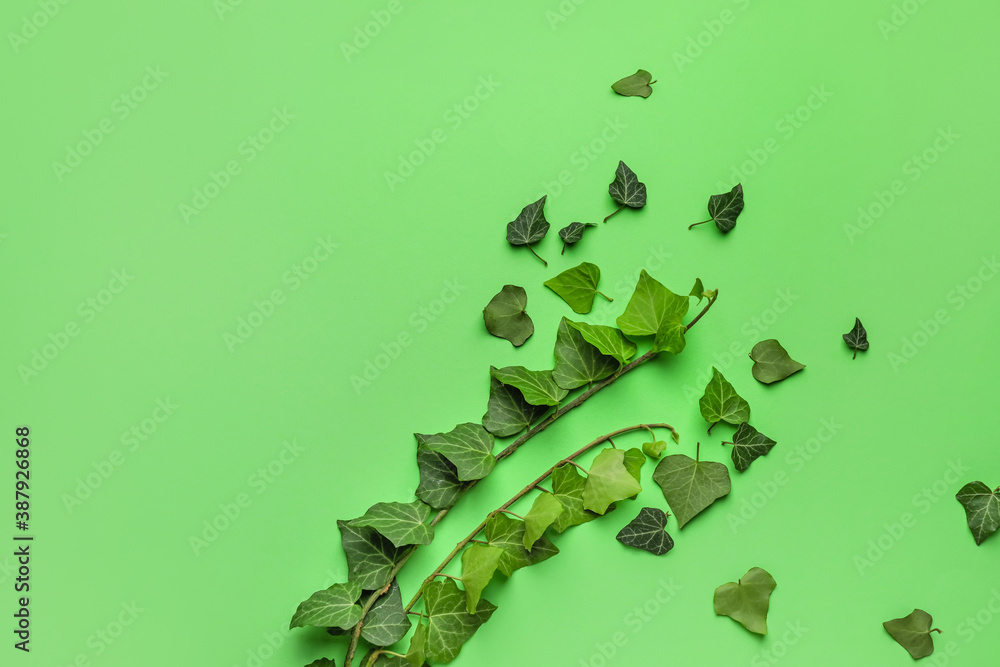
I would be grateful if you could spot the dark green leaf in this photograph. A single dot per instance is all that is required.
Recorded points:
(537, 387)
(567, 487)
(748, 445)
(747, 600)
(544, 511)
(402, 523)
(857, 338)
(771, 362)
(626, 189)
(573, 232)
(386, 622)
(449, 624)
(982, 509)
(335, 606)
(508, 413)
(689, 485)
(506, 532)
(383, 660)
(439, 486)
(635, 85)
(371, 557)
(469, 447)
(529, 227)
(578, 362)
(725, 208)
(479, 562)
(646, 532)
(654, 449)
(577, 286)
(505, 317)
(608, 340)
(327, 662)
(913, 632)
(722, 403)
(608, 481)
(655, 311)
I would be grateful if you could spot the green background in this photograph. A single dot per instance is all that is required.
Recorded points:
(894, 78)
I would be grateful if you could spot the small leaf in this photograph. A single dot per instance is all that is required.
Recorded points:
(689, 485)
(635, 85)
(771, 362)
(608, 340)
(506, 532)
(567, 487)
(654, 449)
(577, 286)
(439, 486)
(335, 606)
(545, 510)
(646, 532)
(626, 189)
(655, 311)
(507, 412)
(722, 403)
(982, 509)
(505, 317)
(749, 444)
(529, 227)
(747, 601)
(578, 362)
(572, 233)
(609, 481)
(913, 632)
(479, 562)
(698, 290)
(371, 557)
(468, 447)
(386, 622)
(724, 209)
(416, 653)
(633, 460)
(537, 387)
(857, 338)
(449, 625)
(402, 523)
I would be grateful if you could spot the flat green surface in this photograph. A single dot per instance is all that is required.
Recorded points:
(280, 144)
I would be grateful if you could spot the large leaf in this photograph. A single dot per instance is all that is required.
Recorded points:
(402, 523)
(749, 444)
(529, 227)
(468, 446)
(506, 532)
(449, 624)
(626, 190)
(609, 481)
(572, 233)
(537, 387)
(857, 338)
(913, 632)
(655, 311)
(567, 487)
(439, 486)
(771, 362)
(371, 557)
(333, 607)
(544, 511)
(386, 622)
(690, 485)
(577, 286)
(507, 412)
(982, 509)
(578, 362)
(479, 562)
(506, 318)
(608, 340)
(721, 402)
(646, 532)
(747, 600)
(634, 85)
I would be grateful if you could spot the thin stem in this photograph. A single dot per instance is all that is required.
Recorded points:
(855, 354)
(697, 452)
(615, 213)
(480, 542)
(604, 295)
(536, 255)
(652, 435)
(573, 463)
(652, 82)
(710, 427)
(542, 488)
(564, 249)
(935, 630)
(612, 443)
(450, 576)
(699, 223)
(416, 613)
(507, 511)
(703, 311)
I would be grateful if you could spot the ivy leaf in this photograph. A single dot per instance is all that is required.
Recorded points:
(747, 600)
(698, 290)
(507, 412)
(654, 449)
(724, 209)
(748, 445)
(608, 340)
(608, 481)
(722, 403)
(577, 286)
(545, 510)
(857, 338)
(439, 486)
(655, 311)
(690, 485)
(505, 317)
(416, 653)
(982, 509)
(567, 487)
(371, 557)
(529, 227)
(646, 532)
(578, 362)
(572, 233)
(633, 461)
(334, 607)
(402, 523)
(449, 624)
(771, 362)
(381, 660)
(468, 447)
(537, 387)
(635, 85)
(386, 622)
(626, 189)
(913, 633)
(479, 562)
(506, 532)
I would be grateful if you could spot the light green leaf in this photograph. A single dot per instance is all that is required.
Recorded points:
(370, 556)
(578, 286)
(578, 362)
(633, 461)
(386, 622)
(749, 444)
(634, 85)
(439, 486)
(530, 226)
(479, 562)
(543, 512)
(507, 532)
(655, 311)
(747, 600)
(698, 290)
(654, 449)
(690, 485)
(469, 447)
(537, 387)
(771, 362)
(646, 532)
(609, 481)
(449, 624)
(508, 413)
(567, 487)
(913, 632)
(402, 523)
(333, 607)
(608, 340)
(416, 654)
(722, 403)
(506, 318)
(982, 509)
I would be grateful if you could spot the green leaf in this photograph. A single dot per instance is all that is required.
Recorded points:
(722, 403)
(982, 509)
(655, 311)
(771, 362)
(544, 511)
(608, 340)
(402, 523)
(913, 632)
(416, 653)
(439, 486)
(449, 624)
(386, 622)
(327, 662)
(537, 387)
(749, 444)
(572, 233)
(626, 189)
(371, 557)
(857, 338)
(609, 481)
(479, 562)
(382, 660)
(698, 290)
(578, 362)
(577, 286)
(633, 461)
(646, 532)
(567, 487)
(529, 227)
(635, 85)
(724, 209)
(333, 607)
(747, 600)
(505, 316)
(654, 449)
(690, 485)
(507, 412)
(506, 532)
(469, 447)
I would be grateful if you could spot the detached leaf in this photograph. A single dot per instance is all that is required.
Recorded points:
(578, 362)
(537, 387)
(449, 624)
(655, 311)
(386, 622)
(913, 633)
(749, 444)
(608, 340)
(577, 286)
(572, 233)
(609, 481)
(507, 412)
(771, 362)
(689, 485)
(543, 512)
(567, 487)
(479, 562)
(626, 189)
(724, 209)
(646, 532)
(505, 316)
(439, 486)
(722, 403)
(529, 227)
(635, 85)
(506, 532)
(402, 523)
(982, 509)
(335, 607)
(468, 447)
(857, 338)
(747, 600)
(371, 557)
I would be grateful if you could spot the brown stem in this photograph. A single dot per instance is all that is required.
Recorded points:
(699, 223)
(536, 255)
(620, 209)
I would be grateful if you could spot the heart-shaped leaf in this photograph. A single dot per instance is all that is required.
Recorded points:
(506, 318)
(749, 444)
(722, 403)
(857, 338)
(506, 532)
(913, 632)
(626, 190)
(468, 447)
(634, 85)
(537, 387)
(507, 412)
(982, 509)
(747, 600)
(449, 624)
(479, 562)
(572, 233)
(609, 481)
(655, 449)
(771, 362)
(402, 523)
(545, 510)
(529, 227)
(439, 486)
(578, 286)
(386, 622)
(567, 487)
(655, 311)
(371, 557)
(646, 532)
(608, 340)
(690, 485)
(335, 606)
(724, 209)
(578, 362)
